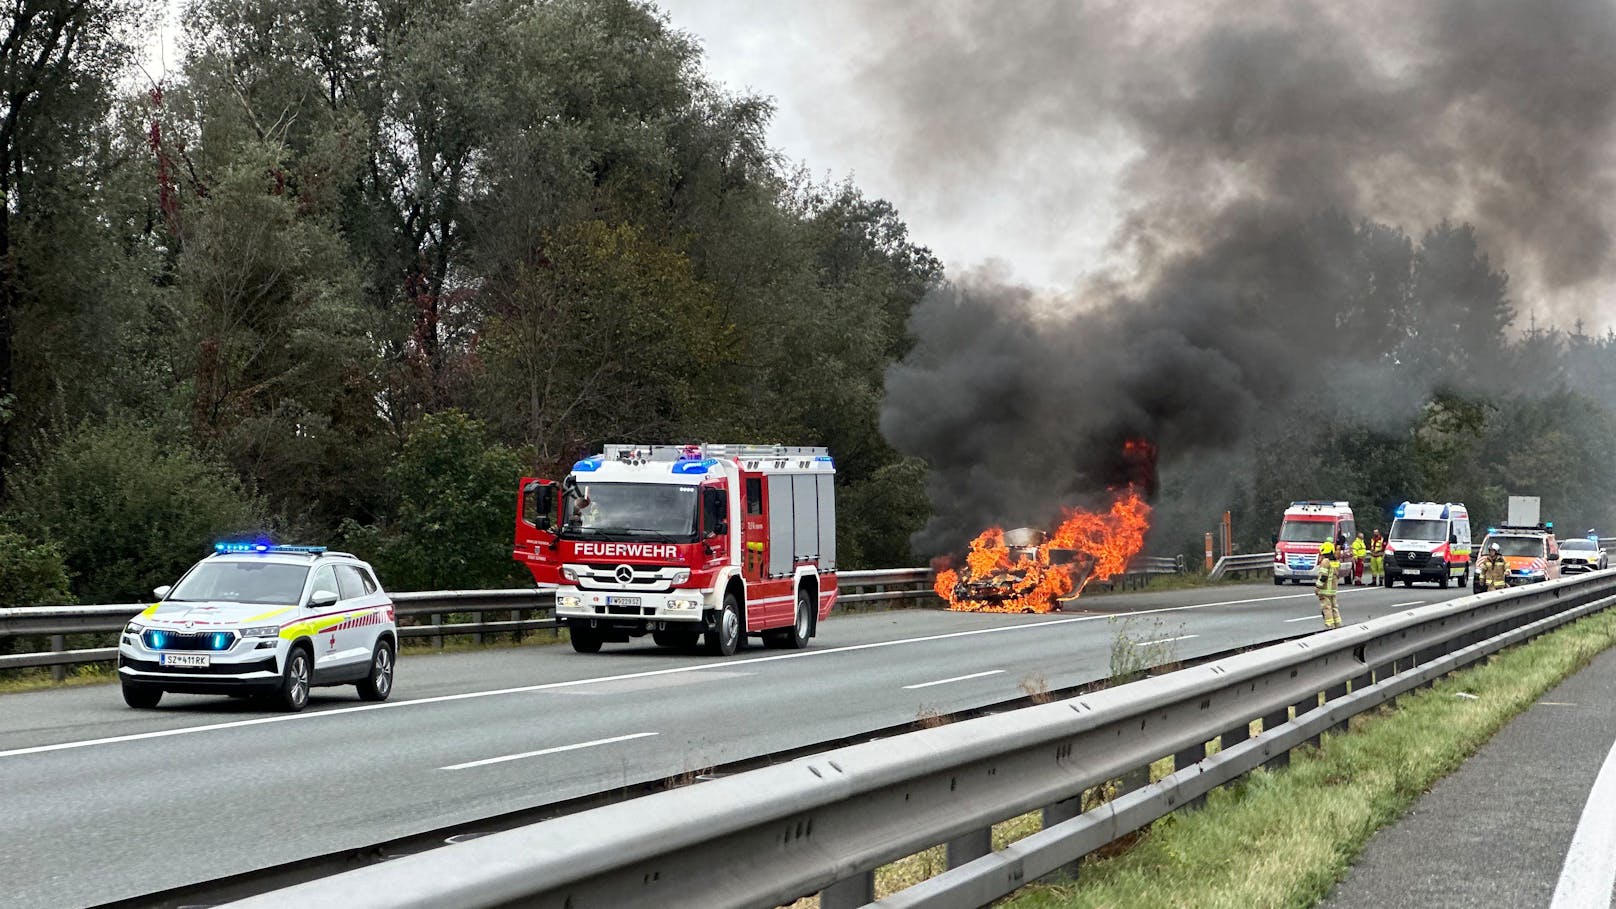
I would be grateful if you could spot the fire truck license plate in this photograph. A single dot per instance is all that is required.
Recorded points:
(622, 601)
(185, 659)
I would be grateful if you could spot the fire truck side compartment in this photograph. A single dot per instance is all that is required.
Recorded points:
(781, 525)
(827, 522)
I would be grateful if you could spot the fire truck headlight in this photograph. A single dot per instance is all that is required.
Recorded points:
(569, 573)
(684, 603)
(681, 576)
(567, 601)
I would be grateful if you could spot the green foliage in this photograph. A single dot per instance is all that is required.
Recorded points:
(130, 507)
(31, 574)
(456, 511)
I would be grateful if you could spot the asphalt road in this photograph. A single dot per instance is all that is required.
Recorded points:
(1497, 832)
(99, 802)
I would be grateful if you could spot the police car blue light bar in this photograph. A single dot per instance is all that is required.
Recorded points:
(264, 547)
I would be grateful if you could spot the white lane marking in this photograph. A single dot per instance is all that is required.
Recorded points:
(550, 686)
(1401, 605)
(1182, 637)
(957, 678)
(543, 751)
(1589, 873)
(1304, 618)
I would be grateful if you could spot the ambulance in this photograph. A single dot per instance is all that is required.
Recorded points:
(1429, 541)
(1306, 526)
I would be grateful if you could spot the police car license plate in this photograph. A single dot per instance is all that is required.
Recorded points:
(622, 601)
(185, 659)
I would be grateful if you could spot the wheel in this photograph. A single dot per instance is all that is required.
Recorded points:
(1464, 579)
(1279, 582)
(379, 684)
(141, 697)
(795, 637)
(584, 639)
(1408, 582)
(725, 637)
(1442, 582)
(293, 693)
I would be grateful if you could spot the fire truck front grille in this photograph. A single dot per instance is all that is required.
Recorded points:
(1413, 559)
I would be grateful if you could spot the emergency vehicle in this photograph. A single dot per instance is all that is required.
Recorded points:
(260, 619)
(686, 542)
(1429, 541)
(1306, 526)
(1531, 554)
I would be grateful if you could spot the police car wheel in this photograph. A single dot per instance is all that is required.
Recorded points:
(379, 684)
(293, 695)
(141, 697)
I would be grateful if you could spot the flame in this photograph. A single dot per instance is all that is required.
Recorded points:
(1032, 579)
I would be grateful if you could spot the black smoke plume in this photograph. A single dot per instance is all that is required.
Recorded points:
(1296, 234)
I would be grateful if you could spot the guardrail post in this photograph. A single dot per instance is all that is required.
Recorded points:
(477, 637)
(437, 639)
(856, 891)
(1271, 722)
(1137, 778)
(1332, 694)
(58, 643)
(1304, 706)
(969, 846)
(516, 636)
(1058, 813)
(1189, 757)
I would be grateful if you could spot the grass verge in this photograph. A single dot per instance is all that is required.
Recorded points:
(1284, 838)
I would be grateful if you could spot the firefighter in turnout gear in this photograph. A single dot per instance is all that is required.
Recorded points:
(1377, 558)
(1494, 570)
(1324, 586)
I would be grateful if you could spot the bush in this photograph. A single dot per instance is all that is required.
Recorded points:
(31, 574)
(130, 508)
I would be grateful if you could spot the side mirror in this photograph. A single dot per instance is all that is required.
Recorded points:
(1554, 557)
(322, 598)
(162, 591)
(543, 522)
(721, 528)
(1274, 538)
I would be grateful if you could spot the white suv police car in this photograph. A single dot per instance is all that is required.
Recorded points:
(256, 619)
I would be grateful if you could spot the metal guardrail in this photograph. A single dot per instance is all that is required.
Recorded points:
(423, 614)
(1248, 561)
(824, 823)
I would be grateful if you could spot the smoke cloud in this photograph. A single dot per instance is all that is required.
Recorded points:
(1277, 152)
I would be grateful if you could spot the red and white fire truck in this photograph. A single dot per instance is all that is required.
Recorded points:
(686, 541)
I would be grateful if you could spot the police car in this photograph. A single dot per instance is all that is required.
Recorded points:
(257, 619)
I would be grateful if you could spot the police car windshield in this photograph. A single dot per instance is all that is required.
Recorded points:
(665, 512)
(1515, 546)
(1579, 544)
(1306, 531)
(1412, 529)
(266, 583)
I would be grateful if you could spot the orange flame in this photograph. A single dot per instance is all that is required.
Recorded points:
(1086, 546)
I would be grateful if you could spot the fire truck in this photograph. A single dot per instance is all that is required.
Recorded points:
(688, 543)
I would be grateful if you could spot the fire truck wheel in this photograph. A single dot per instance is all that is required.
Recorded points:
(795, 637)
(725, 637)
(584, 640)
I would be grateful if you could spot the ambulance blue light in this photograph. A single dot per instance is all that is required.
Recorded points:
(221, 640)
(1548, 525)
(587, 465)
(159, 639)
(1401, 510)
(693, 466)
(261, 546)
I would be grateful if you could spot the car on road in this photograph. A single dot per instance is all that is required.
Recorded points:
(254, 619)
(1577, 556)
(1530, 551)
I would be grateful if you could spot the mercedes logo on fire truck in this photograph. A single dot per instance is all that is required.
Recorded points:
(624, 573)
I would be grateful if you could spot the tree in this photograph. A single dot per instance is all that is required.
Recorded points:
(130, 507)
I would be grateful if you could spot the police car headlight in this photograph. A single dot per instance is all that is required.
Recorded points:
(681, 576)
(262, 631)
(686, 603)
(567, 601)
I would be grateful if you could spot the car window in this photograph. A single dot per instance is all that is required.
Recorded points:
(349, 583)
(266, 583)
(325, 579)
(369, 581)
(1579, 544)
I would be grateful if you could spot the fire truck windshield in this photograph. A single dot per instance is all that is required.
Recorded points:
(1530, 547)
(632, 511)
(1305, 531)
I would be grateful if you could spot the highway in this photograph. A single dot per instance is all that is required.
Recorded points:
(102, 802)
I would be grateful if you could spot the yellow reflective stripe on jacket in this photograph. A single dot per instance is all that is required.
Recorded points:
(1325, 583)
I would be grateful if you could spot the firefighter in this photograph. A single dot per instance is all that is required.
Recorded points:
(1494, 570)
(1360, 554)
(1324, 585)
(1377, 558)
